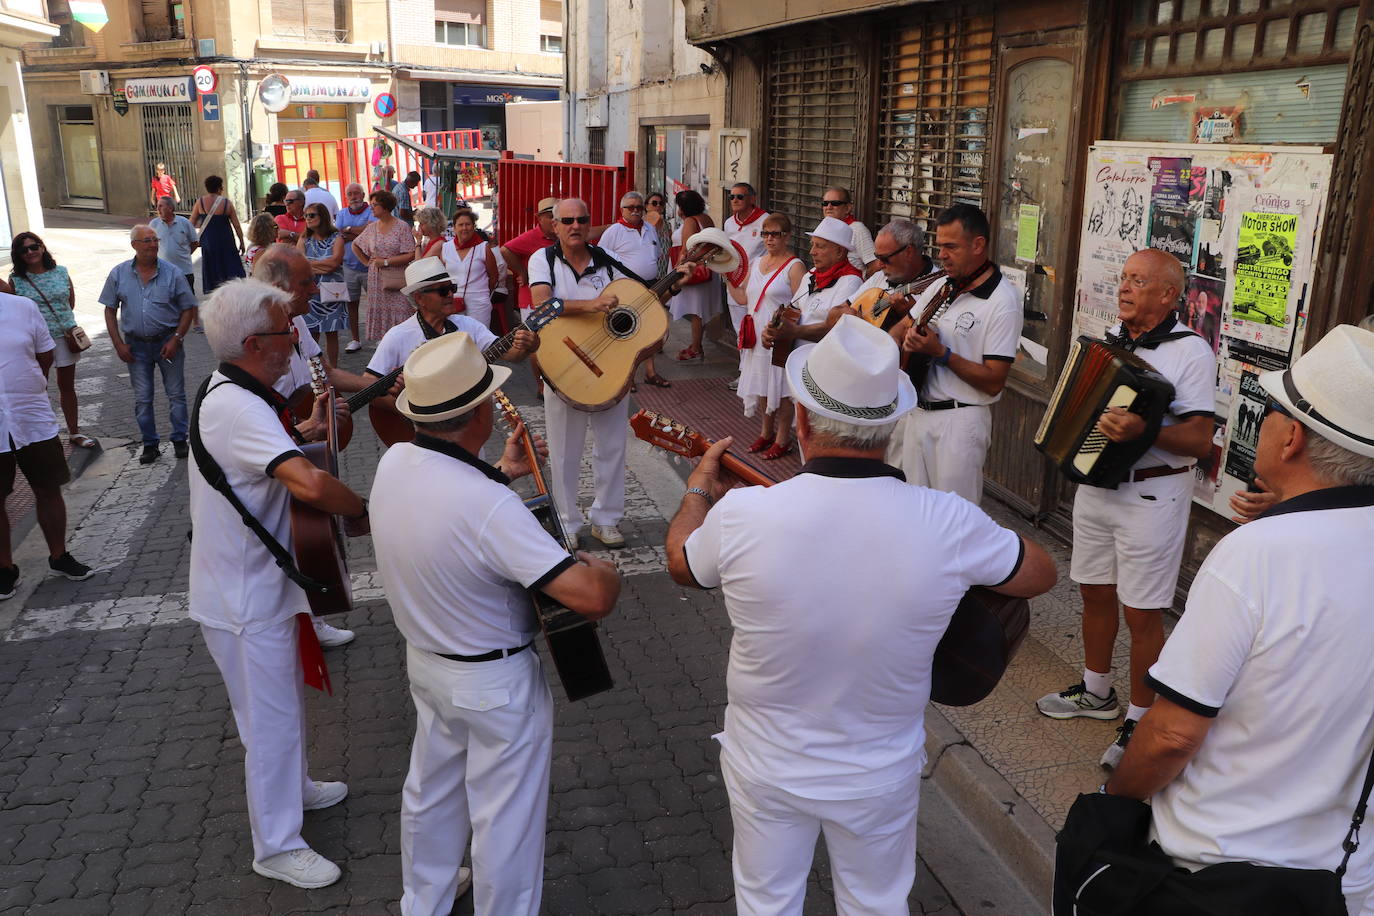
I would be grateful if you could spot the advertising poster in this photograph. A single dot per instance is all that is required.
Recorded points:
(1115, 210)
(1269, 240)
(1202, 308)
(1172, 217)
(1264, 267)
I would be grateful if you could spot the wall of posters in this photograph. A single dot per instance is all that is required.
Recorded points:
(1243, 221)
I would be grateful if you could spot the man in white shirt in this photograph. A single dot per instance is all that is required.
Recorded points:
(1259, 741)
(252, 615)
(458, 551)
(314, 194)
(632, 241)
(1128, 540)
(837, 202)
(829, 672)
(29, 439)
(969, 350)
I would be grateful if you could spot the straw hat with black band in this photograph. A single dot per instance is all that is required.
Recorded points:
(446, 377)
(1330, 389)
(425, 272)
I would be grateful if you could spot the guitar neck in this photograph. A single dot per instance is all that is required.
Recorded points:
(378, 388)
(503, 343)
(746, 473)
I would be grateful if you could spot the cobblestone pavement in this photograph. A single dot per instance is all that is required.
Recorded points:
(121, 785)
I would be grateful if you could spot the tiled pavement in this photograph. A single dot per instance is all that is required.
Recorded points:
(121, 774)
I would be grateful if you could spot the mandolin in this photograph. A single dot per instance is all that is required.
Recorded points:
(571, 638)
(917, 365)
(875, 305)
(390, 425)
(983, 635)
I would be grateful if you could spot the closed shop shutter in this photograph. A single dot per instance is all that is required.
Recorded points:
(935, 92)
(815, 121)
(169, 135)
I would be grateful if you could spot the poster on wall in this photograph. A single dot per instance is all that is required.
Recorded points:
(1243, 222)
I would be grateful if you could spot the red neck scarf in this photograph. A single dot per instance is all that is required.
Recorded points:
(754, 214)
(821, 281)
(848, 220)
(473, 241)
(636, 229)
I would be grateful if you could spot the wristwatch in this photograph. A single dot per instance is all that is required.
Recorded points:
(178, 335)
(943, 358)
(386, 262)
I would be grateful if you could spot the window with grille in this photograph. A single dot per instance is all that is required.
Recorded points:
(935, 107)
(814, 132)
(169, 136)
(596, 145)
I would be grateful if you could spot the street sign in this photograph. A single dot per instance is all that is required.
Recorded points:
(205, 78)
(209, 106)
(121, 104)
(384, 105)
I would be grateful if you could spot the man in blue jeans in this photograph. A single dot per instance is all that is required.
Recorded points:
(148, 309)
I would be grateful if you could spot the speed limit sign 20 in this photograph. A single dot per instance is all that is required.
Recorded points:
(205, 79)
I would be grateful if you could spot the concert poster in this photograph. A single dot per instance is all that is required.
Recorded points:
(1247, 411)
(1172, 217)
(1202, 308)
(1116, 208)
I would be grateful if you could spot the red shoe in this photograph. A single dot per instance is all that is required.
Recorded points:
(687, 353)
(760, 444)
(777, 451)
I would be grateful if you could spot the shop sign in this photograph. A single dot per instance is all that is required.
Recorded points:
(159, 89)
(121, 103)
(501, 95)
(323, 89)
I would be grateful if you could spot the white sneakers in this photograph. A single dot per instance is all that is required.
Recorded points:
(330, 637)
(301, 867)
(609, 535)
(324, 795)
(352, 346)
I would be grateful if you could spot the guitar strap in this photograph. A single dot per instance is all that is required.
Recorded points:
(601, 258)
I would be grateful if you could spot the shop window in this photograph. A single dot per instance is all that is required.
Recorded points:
(551, 44)
(461, 34)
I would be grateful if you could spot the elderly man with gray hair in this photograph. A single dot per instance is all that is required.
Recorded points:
(253, 615)
(829, 675)
(148, 309)
(351, 221)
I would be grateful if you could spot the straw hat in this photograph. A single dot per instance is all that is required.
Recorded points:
(853, 375)
(446, 377)
(724, 259)
(548, 203)
(424, 272)
(836, 231)
(1329, 388)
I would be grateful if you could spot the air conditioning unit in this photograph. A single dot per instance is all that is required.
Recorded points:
(95, 82)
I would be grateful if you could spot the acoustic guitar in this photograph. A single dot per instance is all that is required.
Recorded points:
(984, 634)
(875, 305)
(317, 538)
(917, 365)
(391, 426)
(589, 359)
(571, 638)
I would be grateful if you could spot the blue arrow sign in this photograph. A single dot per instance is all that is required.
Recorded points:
(209, 106)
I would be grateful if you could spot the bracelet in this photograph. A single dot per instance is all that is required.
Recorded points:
(710, 500)
(943, 358)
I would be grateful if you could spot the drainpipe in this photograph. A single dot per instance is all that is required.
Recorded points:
(245, 126)
(568, 104)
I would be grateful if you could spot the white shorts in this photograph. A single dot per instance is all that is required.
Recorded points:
(63, 355)
(1132, 537)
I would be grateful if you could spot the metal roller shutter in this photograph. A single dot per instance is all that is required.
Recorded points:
(169, 135)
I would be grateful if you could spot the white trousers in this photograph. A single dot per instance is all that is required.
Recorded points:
(566, 428)
(871, 842)
(479, 767)
(944, 449)
(262, 673)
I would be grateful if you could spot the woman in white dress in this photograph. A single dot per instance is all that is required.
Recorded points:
(697, 302)
(773, 280)
(472, 267)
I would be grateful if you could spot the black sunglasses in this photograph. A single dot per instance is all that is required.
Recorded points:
(28, 248)
(770, 233)
(1274, 406)
(887, 258)
(833, 203)
(569, 220)
(448, 289)
(312, 216)
(739, 196)
(631, 207)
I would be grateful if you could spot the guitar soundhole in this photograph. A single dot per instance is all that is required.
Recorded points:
(622, 322)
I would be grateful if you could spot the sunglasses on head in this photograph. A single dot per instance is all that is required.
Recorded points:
(887, 258)
(833, 203)
(739, 196)
(32, 247)
(447, 289)
(569, 220)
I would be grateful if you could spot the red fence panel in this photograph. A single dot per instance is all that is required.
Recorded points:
(296, 157)
(521, 184)
(351, 160)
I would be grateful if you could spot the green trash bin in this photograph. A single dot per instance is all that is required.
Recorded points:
(263, 177)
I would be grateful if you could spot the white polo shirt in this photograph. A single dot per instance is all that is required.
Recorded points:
(1275, 644)
(637, 249)
(816, 306)
(861, 252)
(1191, 366)
(457, 549)
(830, 662)
(747, 234)
(318, 195)
(235, 582)
(566, 282)
(298, 370)
(25, 412)
(401, 340)
(983, 323)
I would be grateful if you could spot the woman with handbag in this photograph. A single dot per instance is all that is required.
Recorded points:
(322, 246)
(40, 278)
(218, 224)
(472, 267)
(385, 248)
(773, 280)
(700, 296)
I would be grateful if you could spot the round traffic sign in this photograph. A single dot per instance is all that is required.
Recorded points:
(206, 79)
(384, 105)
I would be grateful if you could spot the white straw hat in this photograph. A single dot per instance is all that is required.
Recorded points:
(446, 377)
(1330, 389)
(834, 230)
(424, 272)
(853, 374)
(724, 259)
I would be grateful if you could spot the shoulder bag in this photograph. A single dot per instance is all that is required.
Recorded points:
(77, 339)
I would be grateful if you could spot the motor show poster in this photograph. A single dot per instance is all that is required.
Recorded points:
(1243, 223)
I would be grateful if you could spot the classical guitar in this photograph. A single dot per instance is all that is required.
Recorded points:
(317, 536)
(917, 365)
(302, 400)
(983, 635)
(875, 305)
(590, 359)
(391, 427)
(571, 638)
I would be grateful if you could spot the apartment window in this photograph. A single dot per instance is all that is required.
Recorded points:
(310, 20)
(596, 145)
(551, 26)
(72, 34)
(460, 33)
(551, 44)
(460, 23)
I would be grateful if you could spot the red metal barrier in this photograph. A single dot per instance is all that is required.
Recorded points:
(521, 184)
(343, 161)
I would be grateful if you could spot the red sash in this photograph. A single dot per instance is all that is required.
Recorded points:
(747, 335)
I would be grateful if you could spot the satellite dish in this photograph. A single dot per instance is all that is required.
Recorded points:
(275, 92)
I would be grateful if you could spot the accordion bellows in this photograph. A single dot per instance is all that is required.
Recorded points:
(1097, 376)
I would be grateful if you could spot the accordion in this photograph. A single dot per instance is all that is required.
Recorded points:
(1095, 377)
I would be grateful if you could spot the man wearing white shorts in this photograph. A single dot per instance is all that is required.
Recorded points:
(1128, 541)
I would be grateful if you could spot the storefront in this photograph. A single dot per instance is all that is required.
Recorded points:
(471, 106)
(167, 116)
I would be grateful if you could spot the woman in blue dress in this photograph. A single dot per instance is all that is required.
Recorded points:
(322, 246)
(218, 223)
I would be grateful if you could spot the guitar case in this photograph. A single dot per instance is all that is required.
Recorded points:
(983, 635)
